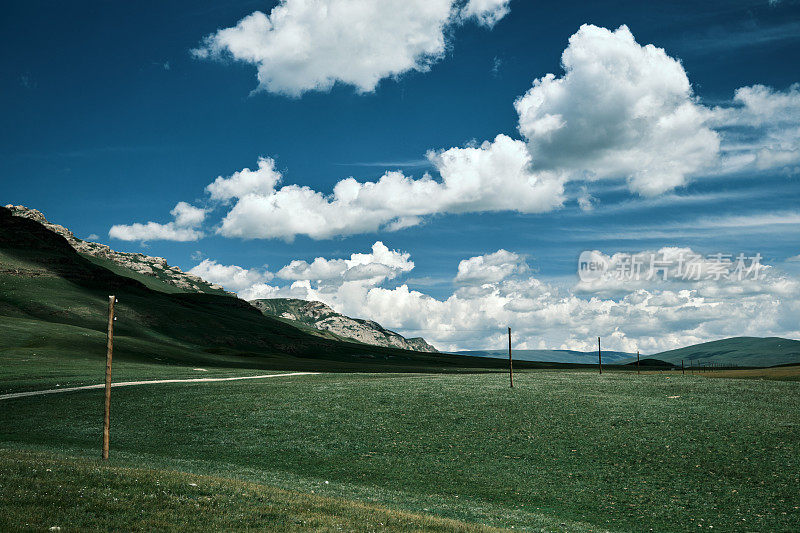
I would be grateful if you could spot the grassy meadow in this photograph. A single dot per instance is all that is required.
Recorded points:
(385, 439)
(84, 495)
(562, 451)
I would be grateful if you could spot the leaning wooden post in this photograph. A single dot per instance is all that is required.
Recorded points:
(109, 353)
(637, 362)
(599, 357)
(510, 365)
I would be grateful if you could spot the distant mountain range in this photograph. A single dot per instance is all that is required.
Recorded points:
(740, 351)
(553, 356)
(319, 316)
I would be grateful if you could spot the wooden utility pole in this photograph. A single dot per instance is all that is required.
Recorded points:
(109, 353)
(599, 356)
(637, 362)
(683, 370)
(510, 365)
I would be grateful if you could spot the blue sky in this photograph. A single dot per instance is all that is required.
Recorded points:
(110, 118)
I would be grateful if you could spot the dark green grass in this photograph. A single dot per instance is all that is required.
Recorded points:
(39, 492)
(156, 283)
(619, 452)
(777, 373)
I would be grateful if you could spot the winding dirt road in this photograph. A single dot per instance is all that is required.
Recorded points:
(151, 382)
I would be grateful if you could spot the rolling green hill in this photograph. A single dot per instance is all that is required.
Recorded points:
(738, 351)
(54, 300)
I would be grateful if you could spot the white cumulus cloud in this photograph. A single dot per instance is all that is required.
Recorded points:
(762, 128)
(374, 267)
(487, 12)
(232, 277)
(309, 45)
(490, 268)
(620, 110)
(495, 176)
(186, 218)
(260, 181)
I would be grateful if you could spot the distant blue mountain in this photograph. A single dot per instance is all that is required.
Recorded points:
(553, 356)
(741, 351)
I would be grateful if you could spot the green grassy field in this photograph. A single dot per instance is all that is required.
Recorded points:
(413, 441)
(569, 451)
(81, 494)
(778, 373)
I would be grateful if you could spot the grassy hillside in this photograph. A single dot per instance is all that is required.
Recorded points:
(155, 283)
(562, 451)
(52, 299)
(740, 351)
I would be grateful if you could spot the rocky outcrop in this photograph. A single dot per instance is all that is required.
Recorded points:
(137, 262)
(319, 316)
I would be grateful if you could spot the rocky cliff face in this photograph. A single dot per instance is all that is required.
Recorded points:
(320, 316)
(143, 264)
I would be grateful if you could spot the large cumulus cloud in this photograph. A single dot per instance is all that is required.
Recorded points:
(619, 110)
(309, 45)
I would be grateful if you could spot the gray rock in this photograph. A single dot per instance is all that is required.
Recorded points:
(319, 316)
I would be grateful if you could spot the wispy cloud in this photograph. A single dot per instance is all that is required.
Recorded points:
(752, 224)
(715, 39)
(676, 200)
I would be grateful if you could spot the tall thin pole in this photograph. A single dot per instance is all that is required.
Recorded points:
(637, 362)
(599, 357)
(683, 370)
(510, 365)
(109, 353)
